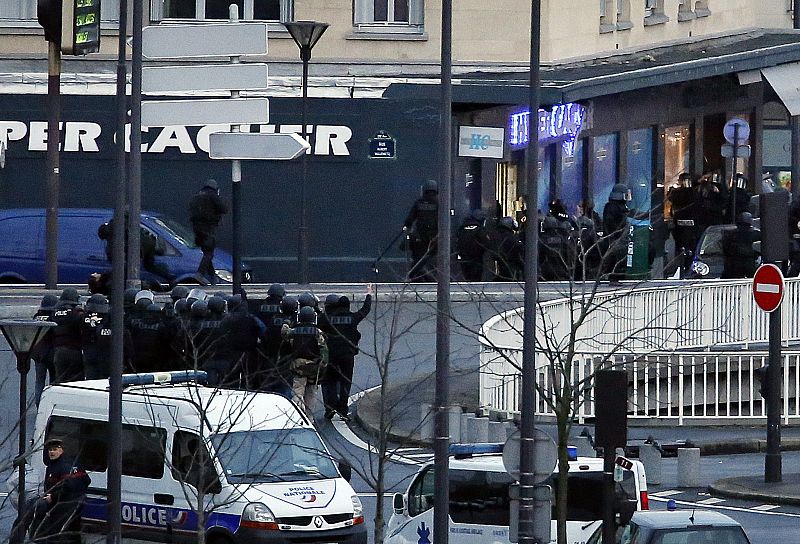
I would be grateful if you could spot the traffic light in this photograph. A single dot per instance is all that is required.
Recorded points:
(80, 26)
(48, 12)
(761, 375)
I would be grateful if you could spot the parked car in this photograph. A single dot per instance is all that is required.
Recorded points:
(81, 252)
(708, 261)
(678, 527)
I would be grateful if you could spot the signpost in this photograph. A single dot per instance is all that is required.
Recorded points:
(736, 132)
(768, 288)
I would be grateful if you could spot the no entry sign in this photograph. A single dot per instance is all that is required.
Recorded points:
(768, 287)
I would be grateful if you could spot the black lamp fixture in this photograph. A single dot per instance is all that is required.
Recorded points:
(306, 34)
(22, 335)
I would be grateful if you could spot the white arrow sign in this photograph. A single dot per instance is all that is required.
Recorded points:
(223, 111)
(207, 40)
(214, 77)
(255, 145)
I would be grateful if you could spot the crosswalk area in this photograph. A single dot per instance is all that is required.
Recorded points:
(694, 497)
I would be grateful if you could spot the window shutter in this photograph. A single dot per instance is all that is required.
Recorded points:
(156, 10)
(363, 11)
(21, 9)
(416, 12)
(109, 11)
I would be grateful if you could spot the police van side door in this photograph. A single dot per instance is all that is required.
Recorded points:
(416, 522)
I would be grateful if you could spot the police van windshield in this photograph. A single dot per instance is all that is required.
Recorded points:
(279, 455)
(181, 232)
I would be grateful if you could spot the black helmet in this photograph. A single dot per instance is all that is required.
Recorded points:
(276, 290)
(142, 304)
(344, 302)
(129, 296)
(195, 294)
(211, 184)
(49, 302)
(98, 304)
(181, 306)
(216, 305)
(168, 310)
(306, 315)
(178, 292)
(509, 223)
(430, 185)
(199, 309)
(69, 296)
(234, 301)
(550, 223)
(745, 218)
(289, 304)
(307, 300)
(619, 192)
(153, 310)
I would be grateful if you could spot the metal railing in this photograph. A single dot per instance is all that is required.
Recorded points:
(649, 333)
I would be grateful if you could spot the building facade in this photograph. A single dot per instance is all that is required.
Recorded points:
(634, 90)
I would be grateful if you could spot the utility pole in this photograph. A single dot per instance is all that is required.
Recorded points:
(795, 122)
(528, 532)
(135, 159)
(441, 443)
(53, 163)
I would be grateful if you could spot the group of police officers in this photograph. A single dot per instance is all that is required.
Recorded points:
(283, 344)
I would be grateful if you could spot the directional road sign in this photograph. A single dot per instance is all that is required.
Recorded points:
(768, 287)
(255, 145)
(214, 77)
(545, 455)
(225, 111)
(207, 40)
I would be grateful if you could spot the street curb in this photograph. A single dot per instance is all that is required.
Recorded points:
(730, 488)
(746, 445)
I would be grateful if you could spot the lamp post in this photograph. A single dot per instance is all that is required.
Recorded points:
(22, 335)
(306, 34)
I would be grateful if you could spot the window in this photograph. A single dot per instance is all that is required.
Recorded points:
(654, 12)
(606, 17)
(685, 12)
(192, 464)
(390, 16)
(87, 440)
(624, 15)
(701, 8)
(420, 496)
(479, 497)
(213, 10)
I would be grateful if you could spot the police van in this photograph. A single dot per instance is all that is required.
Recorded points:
(252, 460)
(480, 507)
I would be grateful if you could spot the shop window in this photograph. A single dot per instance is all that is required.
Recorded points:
(677, 158)
(640, 170)
(249, 10)
(604, 157)
(701, 8)
(606, 17)
(654, 13)
(685, 12)
(573, 176)
(624, 15)
(389, 16)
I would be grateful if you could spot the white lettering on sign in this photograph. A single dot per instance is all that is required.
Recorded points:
(147, 515)
(328, 140)
(768, 288)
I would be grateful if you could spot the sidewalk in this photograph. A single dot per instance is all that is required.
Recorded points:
(405, 404)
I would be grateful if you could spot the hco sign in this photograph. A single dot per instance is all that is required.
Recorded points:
(481, 142)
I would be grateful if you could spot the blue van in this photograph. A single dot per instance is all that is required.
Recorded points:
(81, 252)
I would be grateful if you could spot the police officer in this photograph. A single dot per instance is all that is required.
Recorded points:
(264, 357)
(242, 331)
(615, 227)
(274, 368)
(555, 260)
(308, 355)
(507, 250)
(42, 352)
(587, 250)
(67, 356)
(737, 248)
(150, 342)
(738, 196)
(710, 202)
(206, 209)
(219, 361)
(340, 326)
(96, 338)
(422, 226)
(684, 231)
(471, 243)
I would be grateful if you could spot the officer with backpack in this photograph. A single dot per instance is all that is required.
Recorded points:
(471, 243)
(309, 355)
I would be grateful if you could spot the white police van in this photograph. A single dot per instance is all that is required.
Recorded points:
(266, 475)
(480, 506)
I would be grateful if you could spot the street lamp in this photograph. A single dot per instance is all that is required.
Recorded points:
(306, 34)
(22, 335)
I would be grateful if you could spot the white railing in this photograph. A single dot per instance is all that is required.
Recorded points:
(648, 332)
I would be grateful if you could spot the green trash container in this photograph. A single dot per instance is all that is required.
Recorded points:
(638, 259)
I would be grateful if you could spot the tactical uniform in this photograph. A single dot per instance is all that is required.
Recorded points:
(206, 209)
(471, 242)
(615, 227)
(422, 222)
(309, 355)
(67, 356)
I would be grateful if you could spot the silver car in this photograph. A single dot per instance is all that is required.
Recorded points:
(678, 527)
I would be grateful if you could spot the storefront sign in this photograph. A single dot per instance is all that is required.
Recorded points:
(483, 142)
(382, 146)
(561, 122)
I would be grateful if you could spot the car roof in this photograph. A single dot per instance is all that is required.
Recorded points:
(65, 212)
(681, 519)
(494, 463)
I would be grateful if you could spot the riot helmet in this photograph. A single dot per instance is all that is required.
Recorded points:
(144, 294)
(430, 186)
(307, 315)
(307, 300)
(129, 297)
(344, 303)
(331, 301)
(178, 292)
(212, 184)
(69, 296)
(181, 307)
(619, 192)
(685, 180)
(194, 295)
(234, 301)
(276, 290)
(97, 304)
(289, 304)
(216, 305)
(199, 308)
(49, 302)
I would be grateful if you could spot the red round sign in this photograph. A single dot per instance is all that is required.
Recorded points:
(768, 287)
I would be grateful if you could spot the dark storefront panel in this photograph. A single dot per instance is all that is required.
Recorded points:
(573, 177)
(356, 204)
(640, 170)
(604, 171)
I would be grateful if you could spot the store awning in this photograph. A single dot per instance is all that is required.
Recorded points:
(603, 76)
(785, 81)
